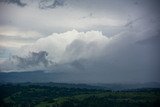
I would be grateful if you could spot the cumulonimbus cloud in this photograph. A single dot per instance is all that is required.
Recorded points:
(69, 46)
(90, 52)
(61, 48)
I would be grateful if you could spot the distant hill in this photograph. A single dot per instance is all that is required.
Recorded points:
(30, 76)
(54, 79)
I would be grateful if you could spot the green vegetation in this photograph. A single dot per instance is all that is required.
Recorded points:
(20, 95)
(107, 99)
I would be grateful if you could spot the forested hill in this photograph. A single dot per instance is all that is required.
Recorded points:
(50, 95)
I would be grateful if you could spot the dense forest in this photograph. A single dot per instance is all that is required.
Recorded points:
(69, 95)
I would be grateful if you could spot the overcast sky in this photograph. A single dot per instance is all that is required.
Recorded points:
(94, 40)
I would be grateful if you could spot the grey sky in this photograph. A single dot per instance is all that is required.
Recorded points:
(111, 40)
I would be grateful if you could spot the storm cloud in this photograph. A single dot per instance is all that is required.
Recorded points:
(33, 59)
(17, 2)
(91, 53)
(44, 4)
(91, 40)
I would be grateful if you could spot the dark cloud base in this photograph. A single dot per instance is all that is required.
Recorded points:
(17, 2)
(44, 4)
(34, 59)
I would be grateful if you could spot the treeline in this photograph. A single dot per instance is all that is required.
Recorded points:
(107, 99)
(13, 95)
(31, 95)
